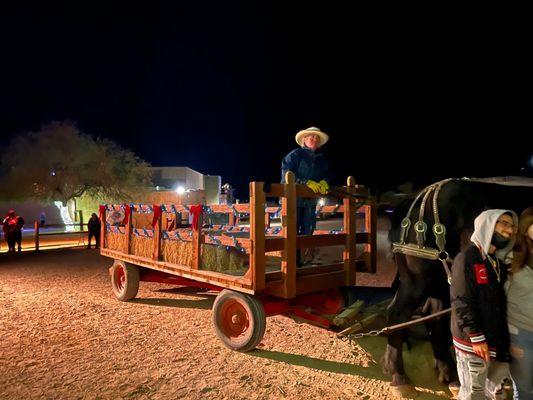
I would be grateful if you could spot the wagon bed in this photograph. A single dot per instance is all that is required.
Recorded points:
(253, 267)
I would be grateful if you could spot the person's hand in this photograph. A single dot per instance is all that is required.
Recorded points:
(324, 186)
(482, 350)
(516, 351)
(314, 186)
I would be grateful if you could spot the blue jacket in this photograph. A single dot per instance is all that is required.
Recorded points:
(306, 165)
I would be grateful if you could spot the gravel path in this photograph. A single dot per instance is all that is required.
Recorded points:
(64, 336)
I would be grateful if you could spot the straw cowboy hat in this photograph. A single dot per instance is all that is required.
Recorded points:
(311, 131)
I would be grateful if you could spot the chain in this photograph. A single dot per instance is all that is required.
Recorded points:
(351, 338)
(354, 336)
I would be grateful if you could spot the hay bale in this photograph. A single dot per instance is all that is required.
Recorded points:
(208, 260)
(217, 258)
(142, 246)
(177, 252)
(115, 241)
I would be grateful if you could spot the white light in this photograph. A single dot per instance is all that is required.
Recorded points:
(180, 190)
(157, 188)
(531, 161)
(65, 216)
(321, 202)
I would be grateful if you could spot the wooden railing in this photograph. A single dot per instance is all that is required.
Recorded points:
(289, 281)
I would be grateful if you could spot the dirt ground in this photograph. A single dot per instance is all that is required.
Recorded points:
(63, 335)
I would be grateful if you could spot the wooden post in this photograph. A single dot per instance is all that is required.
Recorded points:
(197, 244)
(288, 213)
(81, 220)
(231, 218)
(349, 255)
(36, 228)
(257, 235)
(267, 219)
(157, 238)
(128, 231)
(371, 227)
(103, 229)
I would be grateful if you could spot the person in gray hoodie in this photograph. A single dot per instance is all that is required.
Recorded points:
(520, 308)
(479, 306)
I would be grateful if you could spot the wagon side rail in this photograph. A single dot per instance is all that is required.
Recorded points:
(292, 281)
(289, 281)
(154, 260)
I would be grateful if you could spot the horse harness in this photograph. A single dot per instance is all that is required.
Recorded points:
(439, 230)
(418, 250)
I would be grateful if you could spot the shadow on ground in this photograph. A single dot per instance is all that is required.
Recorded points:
(203, 304)
(418, 361)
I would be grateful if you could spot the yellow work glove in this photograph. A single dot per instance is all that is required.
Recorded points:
(314, 186)
(323, 186)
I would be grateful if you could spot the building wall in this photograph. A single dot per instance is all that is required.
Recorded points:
(194, 180)
(171, 197)
(31, 210)
(212, 189)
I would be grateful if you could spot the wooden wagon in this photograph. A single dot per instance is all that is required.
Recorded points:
(253, 268)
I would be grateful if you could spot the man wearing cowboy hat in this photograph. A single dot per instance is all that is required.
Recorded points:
(310, 168)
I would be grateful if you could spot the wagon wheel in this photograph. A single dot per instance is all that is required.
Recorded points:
(239, 320)
(124, 280)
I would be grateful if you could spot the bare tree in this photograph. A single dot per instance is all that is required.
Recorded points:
(59, 163)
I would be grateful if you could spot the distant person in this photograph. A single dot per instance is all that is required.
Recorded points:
(311, 168)
(229, 192)
(42, 218)
(12, 226)
(520, 308)
(93, 226)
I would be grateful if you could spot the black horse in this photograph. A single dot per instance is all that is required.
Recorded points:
(422, 282)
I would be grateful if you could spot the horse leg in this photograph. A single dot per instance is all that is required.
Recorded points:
(400, 310)
(440, 337)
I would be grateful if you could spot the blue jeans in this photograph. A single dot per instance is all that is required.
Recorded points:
(305, 219)
(522, 363)
(305, 225)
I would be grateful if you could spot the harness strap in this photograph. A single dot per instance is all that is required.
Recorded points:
(421, 227)
(406, 222)
(439, 230)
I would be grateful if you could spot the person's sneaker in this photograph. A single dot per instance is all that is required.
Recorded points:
(454, 388)
(309, 256)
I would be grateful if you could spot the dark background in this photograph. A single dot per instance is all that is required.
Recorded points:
(407, 92)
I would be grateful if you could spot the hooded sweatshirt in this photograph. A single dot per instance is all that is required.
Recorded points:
(477, 293)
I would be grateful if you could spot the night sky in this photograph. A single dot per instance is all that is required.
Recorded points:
(405, 92)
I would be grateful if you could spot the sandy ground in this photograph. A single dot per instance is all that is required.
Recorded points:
(63, 335)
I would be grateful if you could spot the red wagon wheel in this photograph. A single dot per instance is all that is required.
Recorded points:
(124, 280)
(239, 320)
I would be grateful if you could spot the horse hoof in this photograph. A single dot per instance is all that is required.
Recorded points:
(454, 388)
(404, 391)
